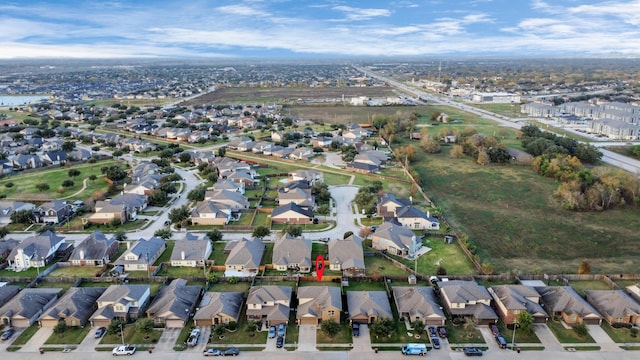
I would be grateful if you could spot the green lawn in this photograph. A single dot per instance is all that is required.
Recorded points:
(378, 266)
(261, 219)
(24, 185)
(449, 256)
(581, 285)
(181, 271)
(166, 255)
(343, 337)
(522, 337)
(568, 336)
(267, 257)
(463, 334)
(128, 226)
(30, 272)
(217, 254)
(365, 286)
(293, 331)
(241, 286)
(26, 334)
(336, 179)
(72, 335)
(621, 335)
(76, 271)
(240, 336)
(131, 336)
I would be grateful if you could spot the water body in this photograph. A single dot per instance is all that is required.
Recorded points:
(15, 100)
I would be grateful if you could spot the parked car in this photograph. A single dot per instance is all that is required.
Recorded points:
(501, 342)
(432, 331)
(281, 328)
(167, 222)
(272, 332)
(231, 352)
(8, 334)
(100, 332)
(442, 331)
(373, 228)
(494, 329)
(471, 351)
(123, 350)
(279, 342)
(194, 336)
(212, 352)
(355, 329)
(435, 342)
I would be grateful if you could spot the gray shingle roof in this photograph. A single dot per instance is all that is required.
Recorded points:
(190, 250)
(312, 300)
(245, 252)
(76, 302)
(29, 302)
(175, 298)
(291, 207)
(369, 303)
(213, 303)
(94, 247)
(616, 303)
(417, 301)
(347, 252)
(565, 299)
(399, 235)
(292, 250)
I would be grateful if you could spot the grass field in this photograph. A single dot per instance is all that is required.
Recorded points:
(377, 266)
(131, 102)
(24, 185)
(582, 285)
(510, 110)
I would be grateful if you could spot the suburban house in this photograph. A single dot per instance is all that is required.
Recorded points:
(298, 196)
(54, 157)
(233, 199)
(35, 251)
(25, 308)
(7, 292)
(347, 256)
(269, 303)
(224, 184)
(97, 249)
(243, 176)
(292, 253)
(365, 307)
(387, 204)
(362, 168)
(310, 175)
(135, 202)
(26, 161)
(467, 299)
(74, 307)
(419, 303)
(9, 207)
(122, 302)
(191, 251)
(173, 305)
(318, 303)
(634, 291)
(54, 212)
(108, 213)
(564, 302)
(142, 254)
(416, 219)
(210, 212)
(219, 308)
(244, 257)
(616, 306)
(511, 300)
(291, 214)
(395, 239)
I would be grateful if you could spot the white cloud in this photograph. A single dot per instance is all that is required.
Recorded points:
(357, 14)
(240, 10)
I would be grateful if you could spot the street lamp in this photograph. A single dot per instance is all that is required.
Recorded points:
(121, 333)
(513, 339)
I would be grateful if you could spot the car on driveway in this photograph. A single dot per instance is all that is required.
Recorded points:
(231, 352)
(279, 342)
(123, 350)
(281, 329)
(435, 342)
(212, 352)
(442, 331)
(272, 332)
(355, 329)
(8, 334)
(494, 329)
(432, 331)
(100, 332)
(471, 351)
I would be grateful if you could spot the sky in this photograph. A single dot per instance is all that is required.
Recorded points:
(317, 28)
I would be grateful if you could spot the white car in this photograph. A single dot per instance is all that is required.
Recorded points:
(123, 350)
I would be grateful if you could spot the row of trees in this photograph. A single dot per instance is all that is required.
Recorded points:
(537, 142)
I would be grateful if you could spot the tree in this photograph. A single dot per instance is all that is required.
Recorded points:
(60, 327)
(184, 157)
(120, 235)
(525, 321)
(323, 210)
(261, 232)
(581, 329)
(22, 217)
(3, 232)
(93, 177)
(364, 232)
(418, 327)
(42, 187)
(330, 327)
(347, 234)
(73, 172)
(215, 235)
(457, 151)
(115, 173)
(68, 183)
(430, 145)
(163, 233)
(158, 198)
(293, 230)
(179, 215)
(144, 325)
(222, 151)
(382, 327)
(584, 267)
(218, 329)
(114, 327)
(68, 146)
(197, 194)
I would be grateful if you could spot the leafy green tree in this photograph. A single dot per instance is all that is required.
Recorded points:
(222, 151)
(330, 327)
(323, 210)
(418, 327)
(184, 157)
(120, 235)
(115, 173)
(114, 327)
(163, 233)
(158, 198)
(93, 177)
(22, 217)
(43, 187)
(68, 183)
(382, 327)
(144, 325)
(215, 235)
(293, 230)
(179, 215)
(525, 320)
(3, 232)
(581, 329)
(197, 194)
(261, 232)
(68, 146)
(60, 328)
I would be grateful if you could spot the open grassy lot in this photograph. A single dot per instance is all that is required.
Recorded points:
(513, 219)
(449, 256)
(72, 335)
(567, 336)
(77, 271)
(581, 285)
(510, 110)
(132, 102)
(283, 95)
(24, 185)
(377, 266)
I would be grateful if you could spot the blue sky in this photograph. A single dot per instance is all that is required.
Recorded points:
(318, 28)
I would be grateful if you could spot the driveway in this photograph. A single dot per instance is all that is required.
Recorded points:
(546, 337)
(307, 338)
(489, 339)
(168, 339)
(362, 343)
(602, 338)
(89, 342)
(37, 340)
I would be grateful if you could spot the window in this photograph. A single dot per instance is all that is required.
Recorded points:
(331, 312)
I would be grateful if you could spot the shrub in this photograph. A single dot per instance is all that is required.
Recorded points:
(8, 185)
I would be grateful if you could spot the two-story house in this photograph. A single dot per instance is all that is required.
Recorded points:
(97, 249)
(269, 303)
(292, 253)
(53, 212)
(120, 302)
(35, 251)
(142, 254)
(467, 299)
(395, 239)
(512, 300)
(346, 255)
(318, 303)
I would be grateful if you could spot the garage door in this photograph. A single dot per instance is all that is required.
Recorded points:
(308, 321)
(203, 322)
(101, 323)
(591, 321)
(174, 324)
(48, 322)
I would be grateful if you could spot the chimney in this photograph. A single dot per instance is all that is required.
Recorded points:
(128, 244)
(81, 254)
(428, 214)
(182, 255)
